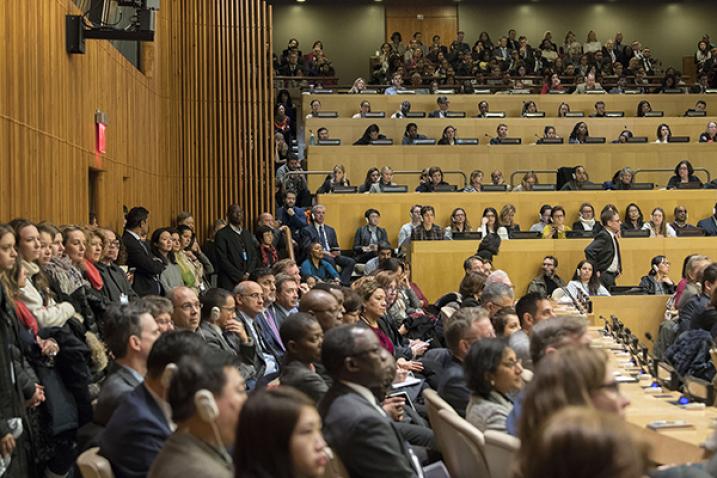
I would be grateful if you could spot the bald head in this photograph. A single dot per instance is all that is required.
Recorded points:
(249, 297)
(186, 308)
(323, 305)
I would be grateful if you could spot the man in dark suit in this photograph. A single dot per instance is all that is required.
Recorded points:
(146, 267)
(141, 423)
(249, 298)
(368, 237)
(236, 250)
(303, 336)
(326, 236)
(355, 425)
(291, 215)
(709, 224)
(691, 313)
(287, 298)
(604, 250)
(442, 110)
(129, 332)
(467, 326)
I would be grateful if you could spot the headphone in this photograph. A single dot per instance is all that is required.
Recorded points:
(206, 405)
(215, 314)
(168, 374)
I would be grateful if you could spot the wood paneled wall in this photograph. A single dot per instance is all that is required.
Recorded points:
(191, 133)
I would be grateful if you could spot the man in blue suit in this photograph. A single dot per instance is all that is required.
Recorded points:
(142, 422)
(291, 215)
(709, 224)
(325, 235)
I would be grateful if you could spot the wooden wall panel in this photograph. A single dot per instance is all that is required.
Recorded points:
(192, 133)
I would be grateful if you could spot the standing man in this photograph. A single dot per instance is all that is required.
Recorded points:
(146, 267)
(325, 235)
(236, 250)
(604, 250)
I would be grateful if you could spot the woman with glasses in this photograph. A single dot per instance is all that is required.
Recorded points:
(117, 288)
(657, 281)
(493, 374)
(586, 220)
(657, 225)
(557, 229)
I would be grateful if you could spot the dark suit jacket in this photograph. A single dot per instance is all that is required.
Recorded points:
(120, 382)
(435, 114)
(366, 440)
(147, 267)
(236, 254)
(452, 386)
(295, 222)
(115, 283)
(300, 376)
(309, 234)
(134, 435)
(363, 237)
(268, 335)
(601, 251)
(708, 225)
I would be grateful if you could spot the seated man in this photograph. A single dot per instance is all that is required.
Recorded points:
(302, 335)
(680, 223)
(709, 224)
(355, 427)
(442, 103)
(495, 296)
(547, 281)
(589, 85)
(143, 421)
(531, 309)
(427, 230)
(291, 215)
(206, 396)
(466, 326)
(186, 308)
(368, 237)
(324, 306)
(385, 252)
(325, 235)
(249, 297)
(129, 332)
(691, 312)
(501, 134)
(287, 298)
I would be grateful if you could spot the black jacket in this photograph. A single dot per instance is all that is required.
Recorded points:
(115, 283)
(237, 256)
(602, 251)
(363, 238)
(146, 267)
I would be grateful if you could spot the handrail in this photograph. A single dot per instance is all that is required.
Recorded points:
(409, 171)
(667, 170)
(523, 171)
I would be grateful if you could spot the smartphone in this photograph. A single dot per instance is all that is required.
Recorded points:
(405, 397)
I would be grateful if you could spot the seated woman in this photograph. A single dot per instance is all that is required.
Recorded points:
(552, 85)
(435, 175)
(459, 223)
(507, 218)
(497, 178)
(358, 87)
(501, 134)
(642, 108)
(579, 133)
(580, 178)
(385, 180)
(364, 107)
(336, 178)
(526, 184)
(710, 134)
(624, 136)
(373, 175)
(505, 322)
(411, 134)
(633, 219)
(586, 220)
(684, 174)
(586, 281)
(657, 281)
(490, 224)
(549, 132)
(623, 179)
(529, 107)
(372, 133)
(657, 225)
(316, 266)
(163, 248)
(493, 375)
(279, 435)
(663, 134)
(562, 109)
(268, 255)
(475, 181)
(449, 136)
(558, 229)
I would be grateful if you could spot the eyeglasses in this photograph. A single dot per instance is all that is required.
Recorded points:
(191, 305)
(612, 386)
(512, 363)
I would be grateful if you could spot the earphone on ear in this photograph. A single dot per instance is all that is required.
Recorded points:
(654, 267)
(206, 405)
(167, 374)
(215, 314)
(577, 271)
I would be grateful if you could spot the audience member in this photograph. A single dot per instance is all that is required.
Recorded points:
(493, 374)
(657, 281)
(531, 309)
(546, 211)
(287, 298)
(427, 230)
(585, 281)
(186, 308)
(496, 296)
(548, 280)
(368, 237)
(303, 337)
(709, 224)
(146, 267)
(325, 235)
(657, 225)
(249, 298)
(385, 180)
(680, 224)
(586, 220)
(604, 250)
(684, 174)
(372, 133)
(505, 322)
(161, 309)
(557, 229)
(692, 308)
(434, 181)
(236, 250)
(324, 306)
(634, 219)
(162, 248)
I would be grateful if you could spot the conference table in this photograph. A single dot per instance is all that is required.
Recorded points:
(437, 266)
(345, 212)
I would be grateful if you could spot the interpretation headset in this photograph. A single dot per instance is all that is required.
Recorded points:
(206, 405)
(215, 314)
(168, 374)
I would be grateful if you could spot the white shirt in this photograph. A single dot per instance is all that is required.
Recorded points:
(615, 264)
(405, 233)
(365, 393)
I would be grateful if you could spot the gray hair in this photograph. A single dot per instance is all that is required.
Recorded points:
(494, 290)
(556, 332)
